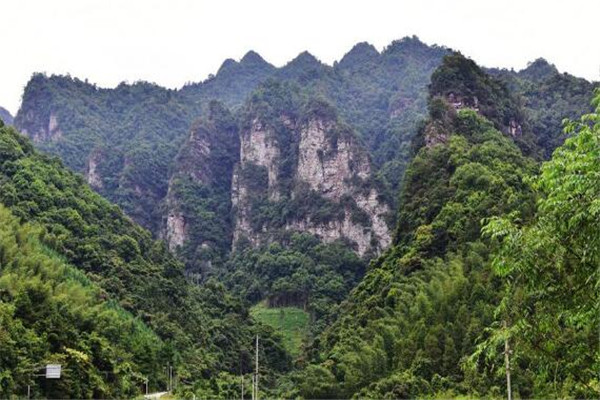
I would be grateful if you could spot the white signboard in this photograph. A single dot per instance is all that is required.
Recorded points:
(53, 371)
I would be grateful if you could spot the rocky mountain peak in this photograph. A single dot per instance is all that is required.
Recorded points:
(310, 170)
(539, 69)
(227, 65)
(5, 116)
(253, 57)
(361, 54)
(305, 58)
(407, 44)
(304, 63)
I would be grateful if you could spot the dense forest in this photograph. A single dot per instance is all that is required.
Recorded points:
(431, 316)
(387, 226)
(77, 245)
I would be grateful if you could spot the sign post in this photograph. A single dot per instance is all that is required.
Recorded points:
(53, 371)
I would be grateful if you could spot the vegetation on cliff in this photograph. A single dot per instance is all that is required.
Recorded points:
(488, 249)
(427, 319)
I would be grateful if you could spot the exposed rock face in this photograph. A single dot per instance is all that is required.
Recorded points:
(331, 231)
(377, 210)
(331, 164)
(240, 202)
(435, 133)
(5, 116)
(198, 198)
(91, 174)
(327, 164)
(175, 229)
(44, 133)
(258, 146)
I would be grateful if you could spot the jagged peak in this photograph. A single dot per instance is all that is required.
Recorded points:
(250, 60)
(39, 79)
(359, 54)
(406, 43)
(305, 63)
(305, 59)
(227, 65)
(252, 57)
(6, 116)
(539, 69)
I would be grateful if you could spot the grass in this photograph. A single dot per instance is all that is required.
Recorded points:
(290, 322)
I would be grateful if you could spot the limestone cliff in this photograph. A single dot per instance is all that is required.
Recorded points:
(258, 146)
(48, 131)
(92, 174)
(305, 170)
(196, 220)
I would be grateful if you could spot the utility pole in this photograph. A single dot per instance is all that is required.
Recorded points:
(507, 362)
(242, 386)
(170, 378)
(256, 371)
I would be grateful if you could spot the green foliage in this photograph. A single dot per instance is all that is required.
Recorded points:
(290, 322)
(200, 189)
(451, 187)
(52, 313)
(204, 329)
(550, 266)
(548, 97)
(407, 328)
(468, 83)
(5, 117)
(135, 131)
(304, 273)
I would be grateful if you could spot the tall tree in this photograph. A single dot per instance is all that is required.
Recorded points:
(551, 268)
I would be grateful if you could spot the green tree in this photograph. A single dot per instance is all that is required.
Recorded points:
(551, 266)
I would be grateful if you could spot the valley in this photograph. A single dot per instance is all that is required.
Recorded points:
(385, 225)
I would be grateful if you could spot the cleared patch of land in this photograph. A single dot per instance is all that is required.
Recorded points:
(290, 322)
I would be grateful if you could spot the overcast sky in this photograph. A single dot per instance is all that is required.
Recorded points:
(177, 41)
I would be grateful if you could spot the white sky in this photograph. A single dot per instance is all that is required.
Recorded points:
(171, 42)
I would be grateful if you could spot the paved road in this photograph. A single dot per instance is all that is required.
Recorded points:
(156, 395)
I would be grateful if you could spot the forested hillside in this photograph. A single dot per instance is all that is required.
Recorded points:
(420, 321)
(200, 330)
(395, 220)
(548, 97)
(126, 140)
(53, 313)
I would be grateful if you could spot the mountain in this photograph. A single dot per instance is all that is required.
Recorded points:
(302, 169)
(380, 216)
(131, 143)
(5, 116)
(198, 207)
(291, 181)
(415, 323)
(232, 83)
(79, 270)
(548, 97)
